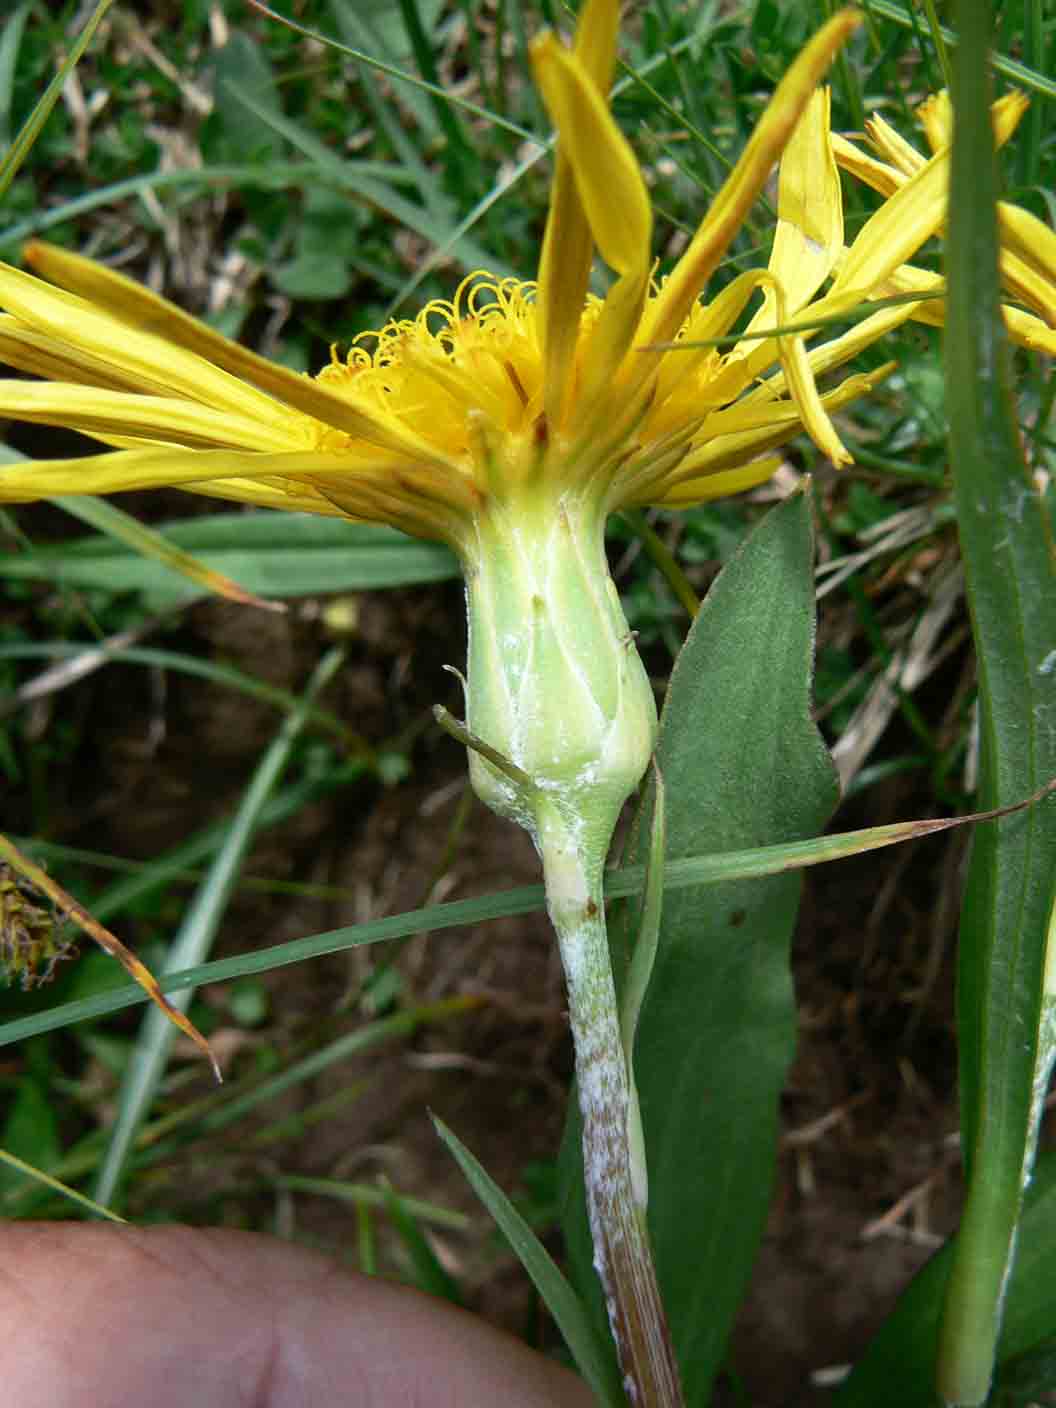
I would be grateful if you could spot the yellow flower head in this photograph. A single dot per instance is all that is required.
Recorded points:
(510, 386)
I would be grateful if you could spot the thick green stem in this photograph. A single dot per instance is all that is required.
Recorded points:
(572, 869)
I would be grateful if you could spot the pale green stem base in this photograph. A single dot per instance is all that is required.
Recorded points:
(622, 1256)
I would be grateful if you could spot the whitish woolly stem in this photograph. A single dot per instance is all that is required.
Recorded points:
(572, 869)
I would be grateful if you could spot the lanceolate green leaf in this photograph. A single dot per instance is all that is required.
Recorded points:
(271, 554)
(743, 766)
(1006, 543)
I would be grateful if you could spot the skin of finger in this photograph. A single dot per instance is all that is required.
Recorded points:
(165, 1317)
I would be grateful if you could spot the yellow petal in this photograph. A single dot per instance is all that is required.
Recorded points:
(604, 168)
(688, 481)
(809, 236)
(564, 273)
(568, 249)
(380, 504)
(834, 353)
(893, 147)
(26, 350)
(799, 370)
(707, 321)
(106, 414)
(284, 496)
(721, 484)
(746, 180)
(157, 467)
(1007, 112)
(114, 472)
(909, 279)
(602, 392)
(936, 117)
(730, 451)
(1029, 331)
(897, 230)
(1028, 254)
(594, 44)
(809, 403)
(877, 174)
(1022, 327)
(798, 377)
(143, 358)
(754, 359)
(614, 200)
(1028, 286)
(158, 347)
(1027, 239)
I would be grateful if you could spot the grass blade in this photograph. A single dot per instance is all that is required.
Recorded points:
(148, 543)
(428, 1273)
(432, 224)
(39, 1176)
(1007, 549)
(681, 874)
(87, 657)
(195, 938)
(1009, 68)
(392, 71)
(31, 129)
(276, 554)
(363, 1195)
(10, 39)
(593, 1357)
(460, 153)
